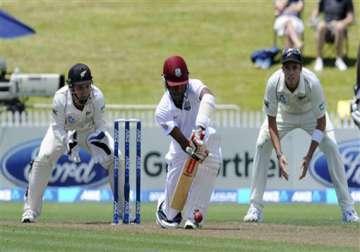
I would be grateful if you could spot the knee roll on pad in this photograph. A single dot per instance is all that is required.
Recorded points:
(211, 164)
(42, 163)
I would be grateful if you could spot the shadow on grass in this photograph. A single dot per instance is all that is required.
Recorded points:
(328, 61)
(221, 228)
(98, 223)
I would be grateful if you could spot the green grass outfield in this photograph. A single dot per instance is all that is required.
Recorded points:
(86, 227)
(126, 42)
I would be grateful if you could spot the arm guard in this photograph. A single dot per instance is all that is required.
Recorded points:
(206, 109)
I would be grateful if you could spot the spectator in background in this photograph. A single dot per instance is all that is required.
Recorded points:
(338, 15)
(288, 21)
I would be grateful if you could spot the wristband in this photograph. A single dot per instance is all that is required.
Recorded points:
(317, 135)
(279, 154)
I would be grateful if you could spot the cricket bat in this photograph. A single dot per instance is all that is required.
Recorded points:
(183, 185)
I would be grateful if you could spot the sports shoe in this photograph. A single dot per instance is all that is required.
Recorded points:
(28, 216)
(163, 221)
(319, 65)
(254, 214)
(191, 225)
(340, 64)
(350, 216)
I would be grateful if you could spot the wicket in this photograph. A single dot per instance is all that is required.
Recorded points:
(126, 209)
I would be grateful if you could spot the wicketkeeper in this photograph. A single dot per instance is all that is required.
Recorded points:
(184, 113)
(77, 120)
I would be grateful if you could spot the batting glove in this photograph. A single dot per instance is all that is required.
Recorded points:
(196, 148)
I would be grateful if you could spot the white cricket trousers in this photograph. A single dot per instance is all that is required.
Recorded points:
(50, 151)
(287, 122)
(203, 183)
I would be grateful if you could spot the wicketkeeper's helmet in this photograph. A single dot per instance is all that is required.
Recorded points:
(79, 74)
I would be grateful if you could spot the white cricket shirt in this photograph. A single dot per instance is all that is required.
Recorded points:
(65, 116)
(169, 116)
(307, 96)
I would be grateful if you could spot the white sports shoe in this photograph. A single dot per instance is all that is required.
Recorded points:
(254, 214)
(191, 225)
(163, 221)
(28, 217)
(340, 64)
(319, 65)
(350, 216)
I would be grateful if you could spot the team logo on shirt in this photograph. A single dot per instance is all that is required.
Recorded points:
(70, 119)
(282, 99)
(301, 97)
(187, 105)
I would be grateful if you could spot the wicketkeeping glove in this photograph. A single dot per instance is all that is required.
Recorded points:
(72, 146)
(196, 148)
(99, 145)
(355, 111)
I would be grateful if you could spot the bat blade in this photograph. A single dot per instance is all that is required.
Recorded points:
(183, 184)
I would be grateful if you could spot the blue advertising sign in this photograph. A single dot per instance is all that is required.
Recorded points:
(16, 165)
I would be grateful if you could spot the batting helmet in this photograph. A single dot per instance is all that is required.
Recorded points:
(79, 74)
(175, 71)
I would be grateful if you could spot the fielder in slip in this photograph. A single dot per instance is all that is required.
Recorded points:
(294, 100)
(77, 120)
(184, 114)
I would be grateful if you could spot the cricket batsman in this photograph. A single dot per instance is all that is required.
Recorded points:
(184, 113)
(294, 99)
(77, 120)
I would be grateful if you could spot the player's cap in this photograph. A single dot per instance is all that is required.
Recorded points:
(292, 55)
(79, 74)
(175, 71)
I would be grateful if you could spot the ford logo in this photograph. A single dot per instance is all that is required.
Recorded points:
(350, 153)
(15, 165)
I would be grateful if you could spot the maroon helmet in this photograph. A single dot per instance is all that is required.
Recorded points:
(175, 71)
